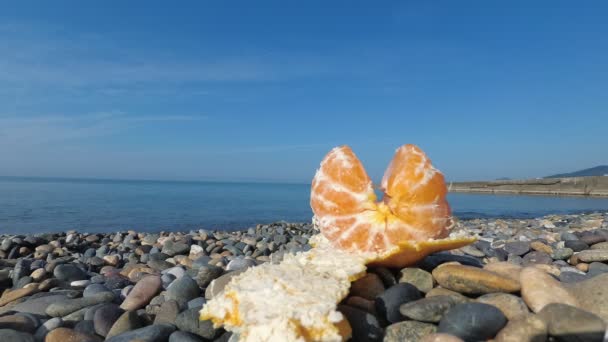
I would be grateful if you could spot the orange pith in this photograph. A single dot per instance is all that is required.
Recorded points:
(414, 206)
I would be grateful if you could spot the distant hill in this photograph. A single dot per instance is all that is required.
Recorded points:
(601, 170)
(503, 178)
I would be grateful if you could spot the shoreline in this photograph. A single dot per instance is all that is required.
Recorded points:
(594, 186)
(127, 285)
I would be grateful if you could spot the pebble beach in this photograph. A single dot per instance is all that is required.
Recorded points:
(539, 279)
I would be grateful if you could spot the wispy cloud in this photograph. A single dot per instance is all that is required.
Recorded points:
(19, 131)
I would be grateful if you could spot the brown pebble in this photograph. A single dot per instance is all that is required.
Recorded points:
(440, 337)
(529, 328)
(539, 289)
(505, 268)
(368, 287)
(583, 266)
(541, 247)
(69, 335)
(473, 280)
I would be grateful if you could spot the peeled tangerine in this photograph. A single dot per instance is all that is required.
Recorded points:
(296, 299)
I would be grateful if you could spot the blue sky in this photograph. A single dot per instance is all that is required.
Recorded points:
(262, 90)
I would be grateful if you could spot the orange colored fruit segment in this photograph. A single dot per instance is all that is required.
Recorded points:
(414, 207)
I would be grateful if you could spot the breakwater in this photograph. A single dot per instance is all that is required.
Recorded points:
(571, 186)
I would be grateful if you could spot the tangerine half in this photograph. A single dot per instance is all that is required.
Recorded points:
(412, 213)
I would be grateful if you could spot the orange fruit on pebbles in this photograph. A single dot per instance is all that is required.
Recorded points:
(411, 221)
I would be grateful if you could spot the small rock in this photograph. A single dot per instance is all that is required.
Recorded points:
(408, 331)
(189, 321)
(217, 285)
(128, 321)
(576, 245)
(17, 322)
(539, 289)
(16, 336)
(420, 278)
(472, 280)
(207, 273)
(105, 317)
(568, 323)
(151, 333)
(429, 309)
(472, 321)
(370, 286)
(592, 295)
(517, 247)
(537, 258)
(528, 328)
(142, 293)
(174, 248)
(562, 253)
(511, 306)
(69, 273)
(541, 247)
(37, 306)
(70, 335)
(364, 325)
(46, 327)
(240, 264)
(599, 255)
(94, 289)
(440, 291)
(182, 336)
(69, 306)
(387, 304)
(167, 313)
(439, 337)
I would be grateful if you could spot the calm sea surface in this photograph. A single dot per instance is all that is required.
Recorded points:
(49, 205)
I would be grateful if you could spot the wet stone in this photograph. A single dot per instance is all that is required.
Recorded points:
(364, 325)
(472, 280)
(429, 309)
(408, 331)
(370, 286)
(388, 303)
(472, 321)
(420, 278)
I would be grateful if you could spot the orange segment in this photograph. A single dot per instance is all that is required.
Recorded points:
(414, 207)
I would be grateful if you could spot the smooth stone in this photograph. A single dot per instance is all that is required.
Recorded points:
(369, 286)
(69, 273)
(511, 306)
(37, 306)
(10, 296)
(429, 309)
(105, 317)
(240, 264)
(432, 261)
(177, 272)
(16, 322)
(182, 336)
(70, 335)
(572, 277)
(562, 253)
(207, 273)
(592, 237)
(592, 295)
(539, 289)
(361, 303)
(46, 327)
(566, 236)
(472, 280)
(440, 337)
(528, 328)
(537, 257)
(80, 283)
(217, 285)
(600, 245)
(365, 326)
(172, 248)
(84, 326)
(69, 306)
(420, 278)
(472, 321)
(596, 268)
(189, 321)
(94, 289)
(168, 312)
(142, 293)
(196, 303)
(505, 269)
(151, 333)
(387, 304)
(576, 245)
(183, 290)
(440, 291)
(16, 336)
(590, 255)
(410, 331)
(128, 321)
(517, 247)
(568, 323)
(541, 247)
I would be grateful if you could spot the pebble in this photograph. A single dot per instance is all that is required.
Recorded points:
(168, 312)
(16, 322)
(539, 289)
(528, 328)
(599, 255)
(70, 335)
(69, 306)
(387, 304)
(189, 321)
(183, 290)
(240, 264)
(537, 257)
(46, 327)
(364, 325)
(37, 306)
(182, 336)
(105, 317)
(152, 333)
(420, 278)
(592, 295)
(16, 336)
(517, 247)
(217, 285)
(576, 245)
(569, 323)
(128, 321)
(408, 331)
(472, 280)
(429, 309)
(505, 269)
(472, 321)
(512, 307)
(562, 253)
(69, 273)
(369, 286)
(541, 247)
(142, 293)
(439, 337)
